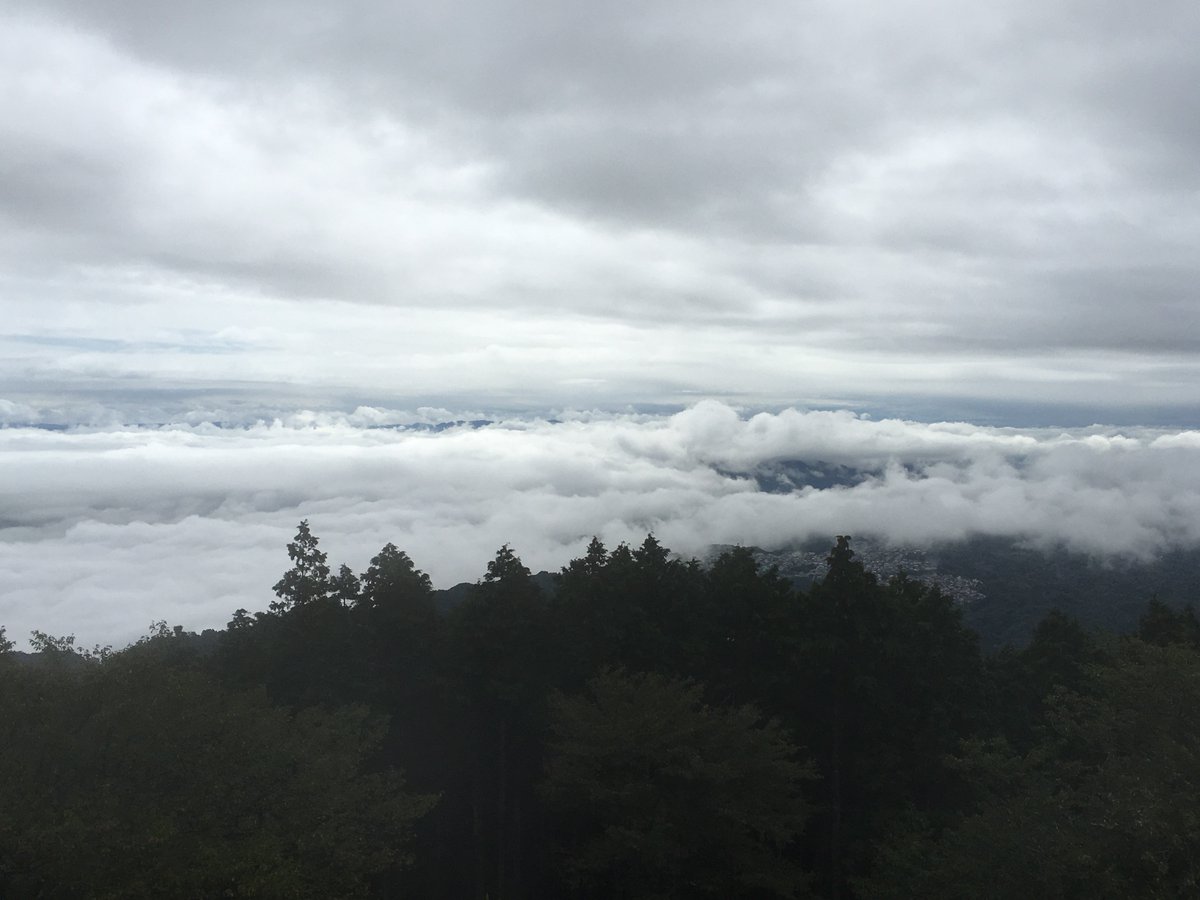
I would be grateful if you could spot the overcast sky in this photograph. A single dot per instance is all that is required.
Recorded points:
(235, 236)
(975, 205)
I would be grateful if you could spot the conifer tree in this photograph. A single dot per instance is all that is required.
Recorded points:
(308, 578)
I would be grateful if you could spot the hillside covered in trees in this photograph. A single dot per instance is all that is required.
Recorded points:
(637, 727)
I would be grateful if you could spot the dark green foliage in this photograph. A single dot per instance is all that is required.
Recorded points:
(398, 635)
(506, 568)
(744, 628)
(500, 659)
(1103, 806)
(393, 580)
(659, 795)
(1021, 684)
(1162, 625)
(1060, 654)
(500, 636)
(345, 586)
(263, 760)
(597, 612)
(308, 580)
(633, 608)
(888, 681)
(133, 777)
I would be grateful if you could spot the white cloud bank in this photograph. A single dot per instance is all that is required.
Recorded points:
(104, 529)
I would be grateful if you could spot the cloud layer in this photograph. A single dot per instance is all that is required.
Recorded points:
(105, 529)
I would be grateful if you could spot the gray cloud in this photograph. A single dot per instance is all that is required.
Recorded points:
(1010, 179)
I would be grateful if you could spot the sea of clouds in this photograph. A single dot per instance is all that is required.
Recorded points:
(104, 528)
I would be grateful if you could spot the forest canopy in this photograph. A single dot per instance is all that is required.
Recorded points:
(636, 725)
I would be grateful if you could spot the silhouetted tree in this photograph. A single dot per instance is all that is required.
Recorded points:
(345, 587)
(392, 578)
(308, 579)
(502, 658)
(744, 629)
(136, 777)
(1162, 625)
(657, 795)
(1103, 805)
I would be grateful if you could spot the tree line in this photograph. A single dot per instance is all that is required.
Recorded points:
(647, 728)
